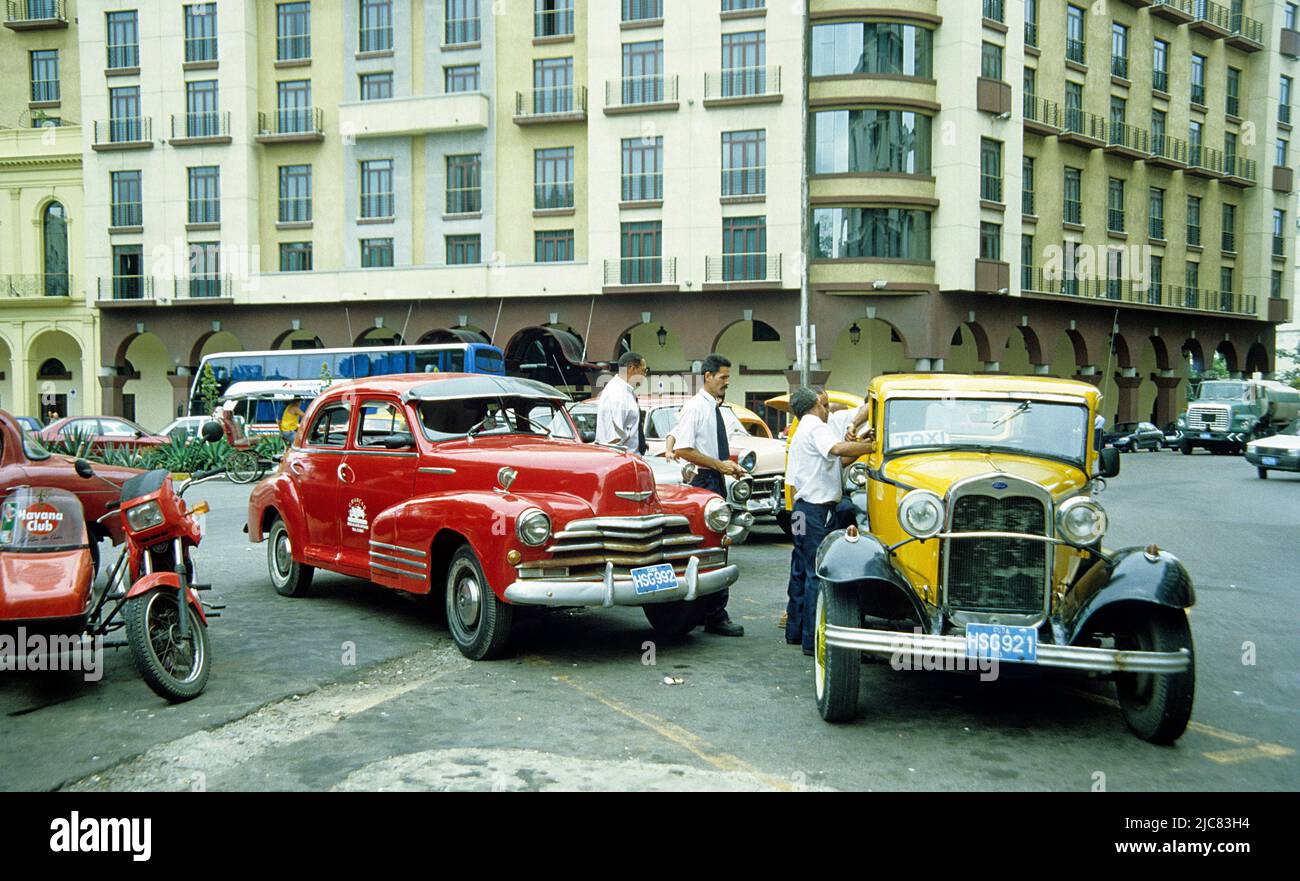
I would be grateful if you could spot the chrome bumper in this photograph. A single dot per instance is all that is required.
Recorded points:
(767, 506)
(612, 591)
(1069, 657)
(741, 523)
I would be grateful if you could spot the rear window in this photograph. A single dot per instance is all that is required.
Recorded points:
(380, 419)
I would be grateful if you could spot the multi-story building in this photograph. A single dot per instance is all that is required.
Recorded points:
(49, 345)
(571, 179)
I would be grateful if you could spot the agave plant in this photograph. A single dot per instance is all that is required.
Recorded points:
(271, 446)
(126, 457)
(78, 443)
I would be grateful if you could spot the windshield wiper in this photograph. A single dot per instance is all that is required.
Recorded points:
(1023, 408)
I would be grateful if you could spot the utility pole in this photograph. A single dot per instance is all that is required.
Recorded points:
(805, 331)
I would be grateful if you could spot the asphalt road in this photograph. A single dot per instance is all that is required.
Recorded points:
(581, 705)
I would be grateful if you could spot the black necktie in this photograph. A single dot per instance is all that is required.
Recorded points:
(724, 449)
(641, 445)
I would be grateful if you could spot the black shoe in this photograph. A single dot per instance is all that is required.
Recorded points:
(789, 641)
(809, 652)
(724, 627)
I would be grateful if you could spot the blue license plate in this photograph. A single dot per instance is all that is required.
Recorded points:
(1269, 460)
(1205, 435)
(1002, 642)
(653, 579)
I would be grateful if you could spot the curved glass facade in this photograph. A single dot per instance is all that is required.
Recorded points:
(889, 233)
(872, 47)
(895, 141)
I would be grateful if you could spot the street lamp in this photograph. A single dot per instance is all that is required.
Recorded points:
(855, 334)
(662, 335)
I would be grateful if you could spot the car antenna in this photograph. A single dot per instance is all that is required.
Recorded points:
(409, 309)
(1110, 357)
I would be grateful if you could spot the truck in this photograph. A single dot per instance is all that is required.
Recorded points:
(1227, 414)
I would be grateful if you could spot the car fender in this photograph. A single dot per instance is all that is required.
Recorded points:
(170, 581)
(864, 562)
(1131, 575)
(279, 493)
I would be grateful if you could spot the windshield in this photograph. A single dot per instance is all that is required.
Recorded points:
(455, 418)
(1224, 391)
(32, 447)
(36, 519)
(1036, 428)
(664, 419)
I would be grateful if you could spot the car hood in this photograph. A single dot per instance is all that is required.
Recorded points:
(1277, 442)
(939, 471)
(770, 453)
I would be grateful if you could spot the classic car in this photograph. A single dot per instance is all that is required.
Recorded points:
(1281, 452)
(979, 543)
(739, 491)
(1133, 437)
(477, 488)
(104, 431)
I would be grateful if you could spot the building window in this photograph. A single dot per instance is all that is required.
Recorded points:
(464, 184)
(1225, 289)
(205, 194)
(1198, 79)
(642, 10)
(1279, 232)
(462, 78)
(1115, 205)
(553, 246)
(1195, 130)
(744, 248)
(464, 250)
(1191, 296)
(855, 141)
(376, 86)
(1284, 100)
(293, 106)
(1156, 281)
(1075, 48)
(553, 18)
(744, 163)
(377, 189)
(553, 85)
(872, 47)
(45, 75)
(128, 272)
(201, 32)
(292, 31)
(738, 5)
(123, 39)
(126, 200)
(1072, 209)
(894, 233)
(202, 109)
(1119, 50)
(205, 269)
(1156, 211)
(54, 263)
(991, 61)
(1230, 152)
(124, 123)
(1031, 22)
(553, 178)
(295, 256)
(376, 26)
(990, 170)
(1194, 220)
(990, 241)
(1232, 104)
(1114, 273)
(1074, 107)
(1160, 67)
(641, 250)
(1275, 290)
(1027, 280)
(993, 10)
(1289, 16)
(643, 169)
(295, 194)
(1027, 186)
(1283, 149)
(743, 58)
(462, 25)
(376, 253)
(643, 77)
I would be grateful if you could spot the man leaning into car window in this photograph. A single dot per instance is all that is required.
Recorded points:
(618, 415)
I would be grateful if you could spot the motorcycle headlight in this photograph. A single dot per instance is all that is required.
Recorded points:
(533, 527)
(857, 474)
(717, 514)
(1081, 521)
(741, 489)
(749, 461)
(921, 513)
(143, 517)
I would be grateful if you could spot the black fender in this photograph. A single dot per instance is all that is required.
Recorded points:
(1129, 576)
(865, 563)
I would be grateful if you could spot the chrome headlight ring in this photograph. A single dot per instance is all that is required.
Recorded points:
(146, 516)
(1081, 521)
(858, 474)
(742, 489)
(717, 514)
(533, 527)
(921, 514)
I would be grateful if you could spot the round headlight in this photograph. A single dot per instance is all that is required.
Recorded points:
(533, 527)
(742, 488)
(1081, 521)
(857, 474)
(717, 514)
(144, 516)
(749, 461)
(921, 513)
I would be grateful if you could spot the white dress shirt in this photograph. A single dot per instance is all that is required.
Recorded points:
(817, 476)
(697, 426)
(618, 417)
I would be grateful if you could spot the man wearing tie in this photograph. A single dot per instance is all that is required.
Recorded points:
(618, 415)
(700, 437)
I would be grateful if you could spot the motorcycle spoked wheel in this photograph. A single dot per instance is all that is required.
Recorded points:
(176, 669)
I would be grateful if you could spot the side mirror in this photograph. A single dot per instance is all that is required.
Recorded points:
(212, 432)
(398, 442)
(588, 437)
(1109, 463)
(83, 469)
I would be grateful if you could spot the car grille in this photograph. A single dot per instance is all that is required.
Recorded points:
(766, 486)
(1207, 419)
(581, 551)
(997, 574)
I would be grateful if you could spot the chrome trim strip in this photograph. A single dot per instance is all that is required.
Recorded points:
(437, 471)
(412, 551)
(398, 454)
(375, 555)
(415, 576)
(635, 497)
(614, 590)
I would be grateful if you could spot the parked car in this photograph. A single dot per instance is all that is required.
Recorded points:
(979, 543)
(105, 431)
(1131, 437)
(478, 489)
(1173, 436)
(185, 428)
(1281, 452)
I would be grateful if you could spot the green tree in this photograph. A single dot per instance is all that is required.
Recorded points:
(209, 391)
(326, 378)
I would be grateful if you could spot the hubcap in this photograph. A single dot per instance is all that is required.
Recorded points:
(283, 555)
(468, 600)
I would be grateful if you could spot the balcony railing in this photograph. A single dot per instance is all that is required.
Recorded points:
(45, 90)
(1212, 14)
(294, 209)
(1085, 124)
(201, 287)
(1194, 234)
(464, 200)
(1160, 80)
(1197, 92)
(462, 31)
(293, 47)
(1115, 219)
(124, 287)
(1156, 228)
(1031, 34)
(744, 181)
(1027, 201)
(1177, 9)
(1119, 66)
(1075, 50)
(126, 55)
(759, 266)
(554, 101)
(994, 11)
(1169, 148)
(47, 285)
(643, 187)
(1072, 211)
(288, 122)
(200, 49)
(1284, 113)
(553, 23)
(1279, 246)
(1125, 290)
(1232, 106)
(126, 214)
(1130, 137)
(123, 130)
(1240, 167)
(1244, 26)
(742, 82)
(24, 14)
(991, 187)
(653, 270)
(635, 90)
(204, 211)
(208, 124)
(1206, 158)
(1042, 111)
(553, 196)
(377, 206)
(1228, 241)
(378, 39)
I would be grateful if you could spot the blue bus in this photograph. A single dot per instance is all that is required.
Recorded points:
(343, 364)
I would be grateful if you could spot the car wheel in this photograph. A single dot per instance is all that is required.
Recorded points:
(836, 671)
(291, 578)
(1186, 448)
(1263, 473)
(479, 622)
(674, 620)
(1157, 706)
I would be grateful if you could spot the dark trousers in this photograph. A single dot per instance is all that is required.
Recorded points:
(714, 604)
(811, 524)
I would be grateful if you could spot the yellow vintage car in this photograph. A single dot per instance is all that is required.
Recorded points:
(980, 543)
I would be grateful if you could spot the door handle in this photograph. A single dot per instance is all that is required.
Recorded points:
(345, 473)
(295, 466)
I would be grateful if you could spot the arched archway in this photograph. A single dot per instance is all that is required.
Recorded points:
(964, 355)
(380, 336)
(1193, 356)
(446, 335)
(661, 346)
(1229, 353)
(214, 342)
(867, 348)
(1257, 360)
(758, 362)
(297, 339)
(147, 396)
(57, 384)
(54, 250)
(8, 397)
(1022, 353)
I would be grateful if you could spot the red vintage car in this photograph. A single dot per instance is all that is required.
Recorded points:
(479, 487)
(107, 431)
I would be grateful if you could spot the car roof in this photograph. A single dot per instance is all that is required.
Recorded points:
(443, 386)
(974, 385)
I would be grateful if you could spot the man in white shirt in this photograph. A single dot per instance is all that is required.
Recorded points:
(817, 459)
(700, 437)
(618, 415)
